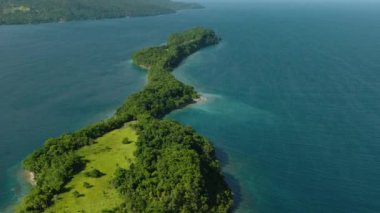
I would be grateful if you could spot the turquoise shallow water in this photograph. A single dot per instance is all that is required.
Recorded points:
(293, 96)
(294, 99)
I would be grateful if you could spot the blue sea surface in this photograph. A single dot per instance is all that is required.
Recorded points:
(293, 96)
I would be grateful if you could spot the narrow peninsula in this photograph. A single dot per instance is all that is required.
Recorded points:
(135, 161)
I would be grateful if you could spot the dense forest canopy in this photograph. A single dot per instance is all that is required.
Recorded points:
(39, 11)
(175, 169)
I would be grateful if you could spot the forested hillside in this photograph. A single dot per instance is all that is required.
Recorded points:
(40, 11)
(173, 169)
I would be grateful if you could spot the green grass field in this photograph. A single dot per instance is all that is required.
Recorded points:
(107, 154)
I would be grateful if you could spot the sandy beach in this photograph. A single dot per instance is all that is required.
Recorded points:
(200, 99)
(29, 177)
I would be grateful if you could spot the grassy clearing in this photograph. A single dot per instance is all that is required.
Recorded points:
(97, 194)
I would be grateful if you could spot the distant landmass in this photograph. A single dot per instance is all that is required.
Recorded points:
(42, 11)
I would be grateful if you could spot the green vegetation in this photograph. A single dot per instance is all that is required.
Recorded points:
(179, 45)
(94, 173)
(173, 169)
(164, 93)
(87, 185)
(57, 162)
(39, 11)
(106, 155)
(126, 141)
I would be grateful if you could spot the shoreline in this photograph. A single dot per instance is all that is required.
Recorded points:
(200, 99)
(146, 106)
(29, 177)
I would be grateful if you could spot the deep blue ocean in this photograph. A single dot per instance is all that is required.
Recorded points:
(293, 96)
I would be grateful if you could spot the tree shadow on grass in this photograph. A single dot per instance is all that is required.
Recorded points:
(66, 189)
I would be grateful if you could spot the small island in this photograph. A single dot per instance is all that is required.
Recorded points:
(135, 161)
(43, 11)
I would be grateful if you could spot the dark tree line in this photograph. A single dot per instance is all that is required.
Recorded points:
(175, 171)
(40, 11)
